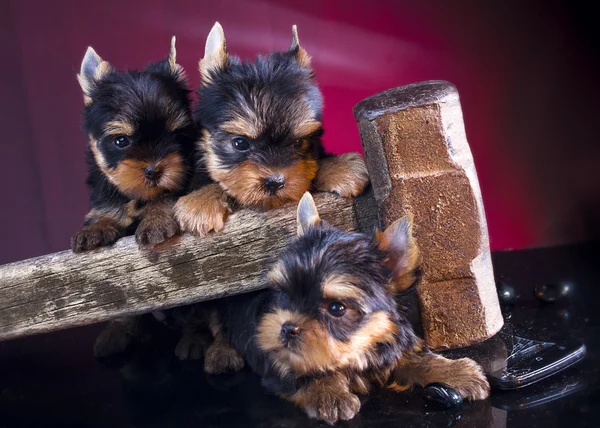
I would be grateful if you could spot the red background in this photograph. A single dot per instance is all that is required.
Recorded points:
(525, 71)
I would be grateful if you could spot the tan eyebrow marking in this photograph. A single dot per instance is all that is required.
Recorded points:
(118, 127)
(306, 128)
(180, 120)
(240, 126)
(340, 287)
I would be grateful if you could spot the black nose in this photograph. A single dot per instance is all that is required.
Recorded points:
(151, 172)
(289, 331)
(274, 183)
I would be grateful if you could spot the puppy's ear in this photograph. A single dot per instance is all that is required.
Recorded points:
(298, 51)
(172, 58)
(93, 69)
(307, 215)
(169, 65)
(216, 58)
(402, 252)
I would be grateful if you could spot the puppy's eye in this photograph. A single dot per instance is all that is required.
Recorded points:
(300, 143)
(241, 144)
(122, 142)
(337, 309)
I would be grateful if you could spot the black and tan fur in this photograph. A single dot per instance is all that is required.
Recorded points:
(141, 139)
(141, 143)
(261, 125)
(332, 325)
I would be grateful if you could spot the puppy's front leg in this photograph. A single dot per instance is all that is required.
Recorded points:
(221, 357)
(117, 336)
(423, 368)
(157, 222)
(202, 211)
(103, 227)
(328, 398)
(192, 344)
(345, 175)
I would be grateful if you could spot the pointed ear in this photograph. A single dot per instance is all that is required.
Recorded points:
(298, 51)
(168, 66)
(172, 58)
(402, 252)
(174, 69)
(93, 69)
(216, 57)
(307, 215)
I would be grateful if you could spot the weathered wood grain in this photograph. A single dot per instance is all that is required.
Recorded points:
(63, 290)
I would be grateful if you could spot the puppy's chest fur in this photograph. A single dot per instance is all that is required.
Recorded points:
(106, 197)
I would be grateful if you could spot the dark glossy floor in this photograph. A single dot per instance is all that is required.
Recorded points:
(52, 380)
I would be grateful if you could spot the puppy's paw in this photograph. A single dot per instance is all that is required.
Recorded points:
(191, 346)
(202, 211)
(333, 406)
(468, 379)
(345, 175)
(114, 339)
(221, 357)
(94, 236)
(156, 228)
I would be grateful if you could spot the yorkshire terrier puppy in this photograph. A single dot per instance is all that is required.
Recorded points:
(141, 142)
(261, 125)
(141, 138)
(332, 325)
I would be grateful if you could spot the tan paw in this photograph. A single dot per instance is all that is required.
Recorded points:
(191, 346)
(114, 339)
(468, 379)
(345, 175)
(155, 228)
(221, 357)
(94, 236)
(202, 211)
(333, 406)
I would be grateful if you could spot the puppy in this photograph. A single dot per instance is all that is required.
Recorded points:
(141, 138)
(332, 326)
(141, 141)
(261, 125)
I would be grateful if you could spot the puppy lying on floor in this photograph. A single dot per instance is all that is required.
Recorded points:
(331, 325)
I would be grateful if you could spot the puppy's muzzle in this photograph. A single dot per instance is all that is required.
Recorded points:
(274, 183)
(152, 172)
(289, 333)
